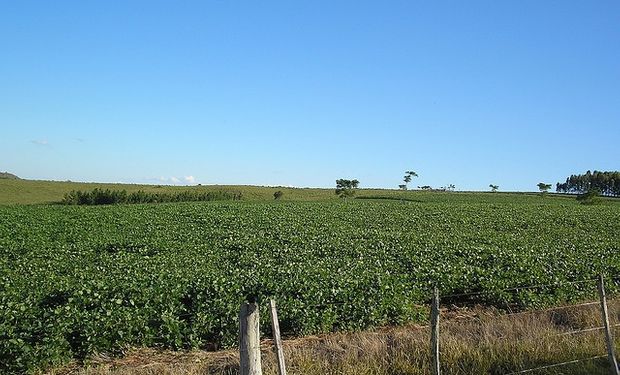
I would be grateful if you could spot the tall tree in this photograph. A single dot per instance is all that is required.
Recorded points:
(607, 183)
(346, 188)
(407, 179)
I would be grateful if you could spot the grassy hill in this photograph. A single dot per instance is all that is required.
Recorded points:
(8, 176)
(18, 191)
(14, 191)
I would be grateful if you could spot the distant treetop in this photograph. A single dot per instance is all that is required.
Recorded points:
(346, 188)
(607, 183)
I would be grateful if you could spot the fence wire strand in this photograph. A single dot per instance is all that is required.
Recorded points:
(586, 330)
(550, 309)
(513, 289)
(557, 365)
(489, 292)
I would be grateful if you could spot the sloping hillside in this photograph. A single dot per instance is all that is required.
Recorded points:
(8, 176)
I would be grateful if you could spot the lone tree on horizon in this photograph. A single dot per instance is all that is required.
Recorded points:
(407, 179)
(494, 188)
(543, 187)
(346, 188)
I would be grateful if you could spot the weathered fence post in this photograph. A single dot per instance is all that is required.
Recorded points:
(275, 327)
(249, 339)
(435, 333)
(611, 353)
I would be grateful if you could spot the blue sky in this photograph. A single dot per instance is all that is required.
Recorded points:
(302, 93)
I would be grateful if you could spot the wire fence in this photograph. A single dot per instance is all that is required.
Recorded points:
(606, 328)
(575, 361)
(516, 289)
(480, 292)
(450, 296)
(510, 314)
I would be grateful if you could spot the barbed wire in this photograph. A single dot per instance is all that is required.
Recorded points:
(341, 303)
(521, 313)
(512, 289)
(586, 330)
(549, 309)
(329, 304)
(466, 294)
(556, 365)
(525, 287)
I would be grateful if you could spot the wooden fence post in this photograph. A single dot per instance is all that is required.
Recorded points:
(611, 353)
(275, 327)
(435, 333)
(249, 339)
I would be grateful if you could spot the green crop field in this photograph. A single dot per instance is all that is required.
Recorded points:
(78, 280)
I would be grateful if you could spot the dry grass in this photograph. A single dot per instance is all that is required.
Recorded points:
(473, 341)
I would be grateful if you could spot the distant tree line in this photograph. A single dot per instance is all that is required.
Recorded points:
(107, 196)
(346, 188)
(606, 183)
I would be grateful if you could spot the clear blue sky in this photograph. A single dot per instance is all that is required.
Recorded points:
(302, 93)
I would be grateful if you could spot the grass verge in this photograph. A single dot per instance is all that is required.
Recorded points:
(473, 341)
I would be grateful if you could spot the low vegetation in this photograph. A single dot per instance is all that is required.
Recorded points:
(48, 192)
(473, 341)
(107, 196)
(78, 280)
(590, 197)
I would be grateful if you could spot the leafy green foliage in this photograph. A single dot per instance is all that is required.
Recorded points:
(590, 197)
(543, 188)
(346, 188)
(606, 183)
(407, 179)
(107, 196)
(35, 192)
(77, 280)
